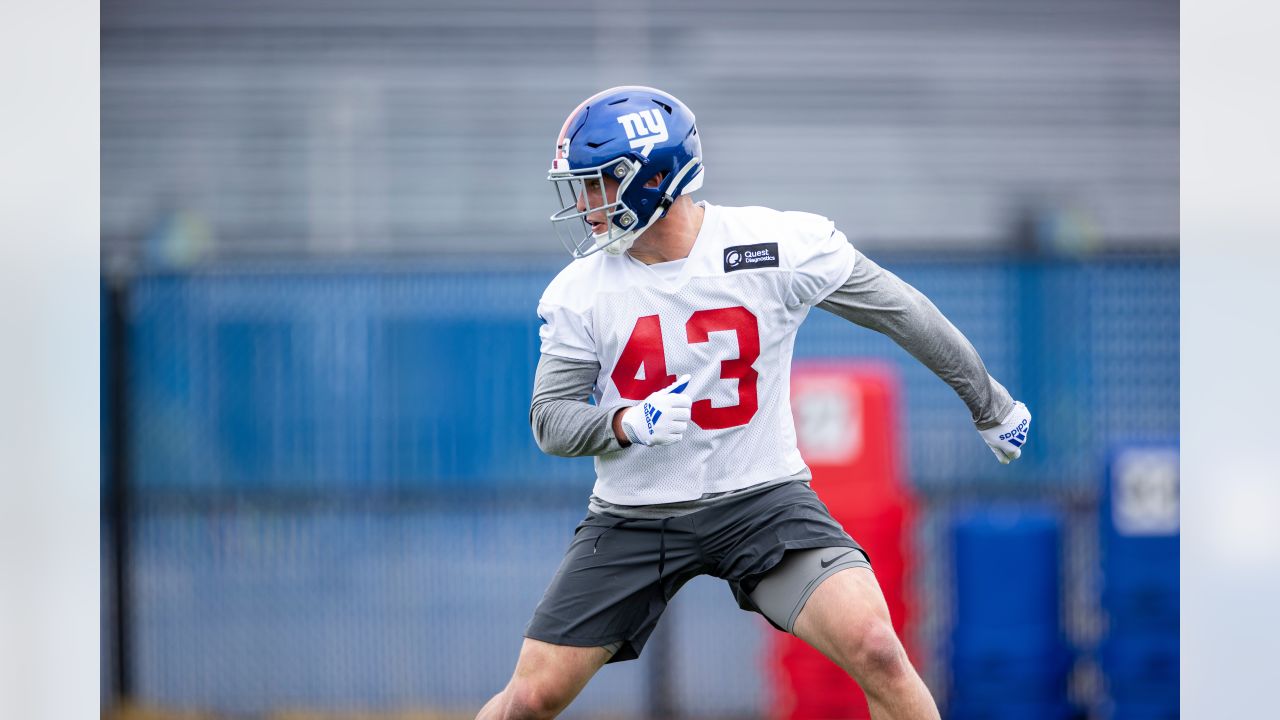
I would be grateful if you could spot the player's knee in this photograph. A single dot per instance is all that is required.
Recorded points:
(527, 700)
(874, 654)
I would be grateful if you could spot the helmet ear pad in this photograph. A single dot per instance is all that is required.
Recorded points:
(641, 195)
(645, 199)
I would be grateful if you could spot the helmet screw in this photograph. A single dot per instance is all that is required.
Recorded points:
(627, 219)
(619, 170)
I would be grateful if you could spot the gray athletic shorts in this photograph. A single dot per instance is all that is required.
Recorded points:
(619, 573)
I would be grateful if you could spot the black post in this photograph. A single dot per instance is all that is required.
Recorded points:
(661, 653)
(119, 487)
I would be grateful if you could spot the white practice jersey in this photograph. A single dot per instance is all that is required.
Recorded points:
(728, 316)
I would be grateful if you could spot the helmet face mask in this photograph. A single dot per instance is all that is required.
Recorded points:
(589, 183)
(644, 139)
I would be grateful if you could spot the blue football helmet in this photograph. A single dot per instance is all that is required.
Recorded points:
(632, 134)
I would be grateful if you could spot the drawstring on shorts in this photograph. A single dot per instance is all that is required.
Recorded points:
(662, 540)
(662, 548)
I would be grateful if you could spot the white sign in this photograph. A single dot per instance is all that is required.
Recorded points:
(1144, 491)
(829, 422)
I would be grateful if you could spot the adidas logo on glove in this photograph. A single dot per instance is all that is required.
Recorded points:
(651, 415)
(1007, 438)
(1018, 435)
(661, 418)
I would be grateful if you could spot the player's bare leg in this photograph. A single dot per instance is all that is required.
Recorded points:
(547, 678)
(847, 620)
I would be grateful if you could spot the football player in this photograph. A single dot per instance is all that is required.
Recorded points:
(678, 319)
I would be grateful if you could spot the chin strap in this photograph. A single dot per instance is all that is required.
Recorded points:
(619, 246)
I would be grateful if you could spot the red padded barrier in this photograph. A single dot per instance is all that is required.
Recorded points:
(848, 430)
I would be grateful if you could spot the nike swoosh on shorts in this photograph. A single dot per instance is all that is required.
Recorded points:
(827, 563)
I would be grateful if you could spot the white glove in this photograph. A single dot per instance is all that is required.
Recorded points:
(1006, 439)
(662, 418)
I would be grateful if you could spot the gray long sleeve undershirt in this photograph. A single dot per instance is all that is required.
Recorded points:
(879, 300)
(565, 424)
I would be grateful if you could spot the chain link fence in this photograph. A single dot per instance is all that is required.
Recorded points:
(334, 503)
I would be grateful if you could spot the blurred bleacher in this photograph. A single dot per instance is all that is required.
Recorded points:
(393, 126)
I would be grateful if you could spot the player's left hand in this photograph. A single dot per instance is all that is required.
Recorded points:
(1007, 438)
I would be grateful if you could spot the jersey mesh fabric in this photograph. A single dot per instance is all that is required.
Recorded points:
(591, 311)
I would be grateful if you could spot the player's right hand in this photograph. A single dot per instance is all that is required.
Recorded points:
(661, 418)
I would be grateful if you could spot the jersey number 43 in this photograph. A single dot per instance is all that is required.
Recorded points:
(644, 349)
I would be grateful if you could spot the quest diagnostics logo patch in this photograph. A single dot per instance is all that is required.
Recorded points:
(750, 257)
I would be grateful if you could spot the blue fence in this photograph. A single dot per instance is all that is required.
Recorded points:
(397, 381)
(338, 503)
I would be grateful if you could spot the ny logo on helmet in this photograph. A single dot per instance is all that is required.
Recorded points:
(644, 129)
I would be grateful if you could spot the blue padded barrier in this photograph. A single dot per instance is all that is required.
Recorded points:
(1007, 642)
(1140, 537)
(1007, 575)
